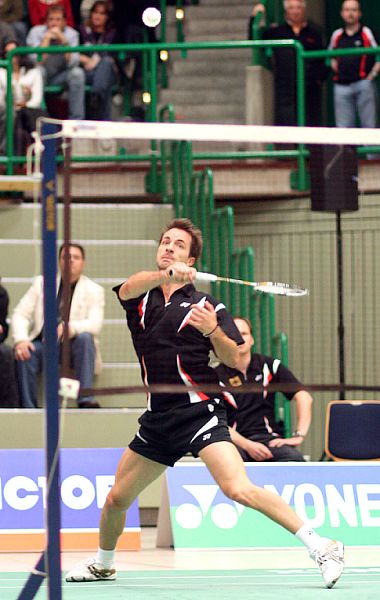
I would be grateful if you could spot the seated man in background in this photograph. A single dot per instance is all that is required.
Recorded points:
(252, 425)
(8, 386)
(85, 323)
(61, 68)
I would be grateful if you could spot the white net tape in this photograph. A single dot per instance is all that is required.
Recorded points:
(220, 133)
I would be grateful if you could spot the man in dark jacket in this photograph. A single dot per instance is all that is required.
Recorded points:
(295, 27)
(8, 386)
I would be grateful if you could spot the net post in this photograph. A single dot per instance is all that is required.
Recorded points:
(49, 564)
(51, 368)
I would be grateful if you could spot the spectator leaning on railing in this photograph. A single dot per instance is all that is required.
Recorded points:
(61, 68)
(355, 95)
(295, 27)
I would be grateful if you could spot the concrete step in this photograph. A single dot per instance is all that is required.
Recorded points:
(107, 221)
(100, 258)
(218, 11)
(217, 36)
(222, 65)
(194, 82)
(235, 26)
(225, 2)
(209, 113)
(201, 96)
(214, 55)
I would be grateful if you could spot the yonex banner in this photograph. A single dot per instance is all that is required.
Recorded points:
(87, 475)
(338, 499)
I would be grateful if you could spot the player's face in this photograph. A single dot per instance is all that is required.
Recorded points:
(76, 263)
(351, 13)
(246, 335)
(295, 11)
(174, 247)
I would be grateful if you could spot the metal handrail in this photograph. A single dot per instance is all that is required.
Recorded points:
(151, 50)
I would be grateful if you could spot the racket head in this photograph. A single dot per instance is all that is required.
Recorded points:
(281, 289)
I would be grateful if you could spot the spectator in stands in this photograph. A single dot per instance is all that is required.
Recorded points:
(61, 68)
(253, 427)
(295, 27)
(355, 96)
(85, 323)
(6, 34)
(38, 10)
(8, 386)
(100, 69)
(27, 91)
(12, 12)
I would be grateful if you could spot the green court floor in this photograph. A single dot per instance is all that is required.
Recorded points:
(266, 584)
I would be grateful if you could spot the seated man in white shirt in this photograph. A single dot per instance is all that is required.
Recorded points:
(61, 68)
(85, 322)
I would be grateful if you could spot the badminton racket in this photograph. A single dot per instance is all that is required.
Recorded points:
(268, 287)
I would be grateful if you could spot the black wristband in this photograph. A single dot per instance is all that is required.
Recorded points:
(211, 332)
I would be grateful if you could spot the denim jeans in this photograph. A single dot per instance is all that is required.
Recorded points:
(357, 100)
(101, 79)
(82, 361)
(74, 79)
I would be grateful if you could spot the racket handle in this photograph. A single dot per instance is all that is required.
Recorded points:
(200, 276)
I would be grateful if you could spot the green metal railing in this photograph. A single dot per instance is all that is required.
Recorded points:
(300, 179)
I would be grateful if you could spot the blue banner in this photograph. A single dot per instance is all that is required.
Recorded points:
(87, 475)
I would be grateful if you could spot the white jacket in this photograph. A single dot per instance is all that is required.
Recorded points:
(86, 312)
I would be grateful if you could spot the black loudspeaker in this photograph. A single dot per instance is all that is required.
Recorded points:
(334, 178)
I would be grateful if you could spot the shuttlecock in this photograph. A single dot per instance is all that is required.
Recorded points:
(151, 17)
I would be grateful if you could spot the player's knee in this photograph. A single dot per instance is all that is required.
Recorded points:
(116, 502)
(243, 492)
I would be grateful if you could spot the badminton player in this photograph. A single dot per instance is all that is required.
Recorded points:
(174, 327)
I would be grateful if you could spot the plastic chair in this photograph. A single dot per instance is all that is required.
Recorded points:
(353, 430)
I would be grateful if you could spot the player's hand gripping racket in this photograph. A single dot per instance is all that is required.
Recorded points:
(269, 287)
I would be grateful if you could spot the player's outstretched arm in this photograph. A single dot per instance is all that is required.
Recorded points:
(141, 282)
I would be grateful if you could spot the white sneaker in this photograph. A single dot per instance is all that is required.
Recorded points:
(330, 560)
(90, 570)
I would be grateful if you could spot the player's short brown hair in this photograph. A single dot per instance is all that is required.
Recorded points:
(189, 227)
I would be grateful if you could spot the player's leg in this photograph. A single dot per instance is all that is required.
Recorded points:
(134, 474)
(226, 466)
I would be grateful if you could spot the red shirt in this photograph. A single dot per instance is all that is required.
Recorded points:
(38, 9)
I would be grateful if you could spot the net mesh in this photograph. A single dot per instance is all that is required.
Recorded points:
(281, 240)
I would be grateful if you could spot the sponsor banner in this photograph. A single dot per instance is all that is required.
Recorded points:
(87, 475)
(340, 500)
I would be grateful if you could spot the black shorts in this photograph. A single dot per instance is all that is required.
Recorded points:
(167, 436)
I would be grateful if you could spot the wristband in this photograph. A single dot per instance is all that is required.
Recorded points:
(211, 332)
(298, 434)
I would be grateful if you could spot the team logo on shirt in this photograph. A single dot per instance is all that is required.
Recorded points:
(235, 381)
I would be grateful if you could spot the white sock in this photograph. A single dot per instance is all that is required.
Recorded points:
(105, 557)
(312, 540)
